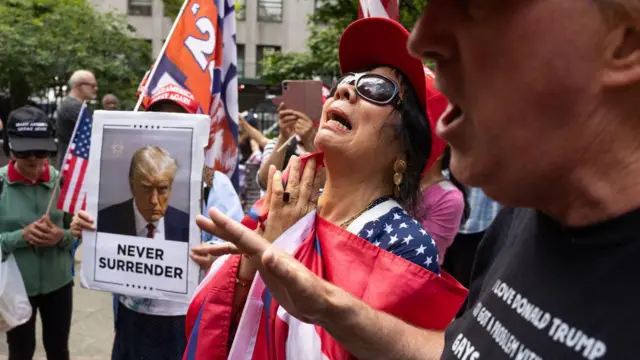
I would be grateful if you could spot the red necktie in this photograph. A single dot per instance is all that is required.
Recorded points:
(151, 229)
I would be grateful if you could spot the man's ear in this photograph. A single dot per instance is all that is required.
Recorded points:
(622, 57)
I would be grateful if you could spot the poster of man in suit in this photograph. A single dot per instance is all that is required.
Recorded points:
(143, 187)
(148, 213)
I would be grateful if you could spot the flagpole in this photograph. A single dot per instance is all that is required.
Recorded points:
(143, 93)
(66, 154)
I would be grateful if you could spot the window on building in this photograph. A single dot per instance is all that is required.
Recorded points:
(240, 52)
(261, 52)
(140, 7)
(270, 10)
(241, 10)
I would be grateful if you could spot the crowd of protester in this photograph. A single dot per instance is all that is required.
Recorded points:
(385, 164)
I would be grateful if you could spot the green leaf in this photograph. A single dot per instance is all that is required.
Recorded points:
(44, 41)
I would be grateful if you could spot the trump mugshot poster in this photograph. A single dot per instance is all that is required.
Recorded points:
(143, 188)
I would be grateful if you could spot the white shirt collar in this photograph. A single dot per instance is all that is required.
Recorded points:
(374, 213)
(141, 224)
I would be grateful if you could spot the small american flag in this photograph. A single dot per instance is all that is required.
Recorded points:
(73, 195)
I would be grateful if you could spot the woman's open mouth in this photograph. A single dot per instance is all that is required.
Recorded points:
(338, 120)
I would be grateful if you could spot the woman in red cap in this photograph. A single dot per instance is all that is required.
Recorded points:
(376, 138)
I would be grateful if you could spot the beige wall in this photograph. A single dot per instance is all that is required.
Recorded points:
(290, 34)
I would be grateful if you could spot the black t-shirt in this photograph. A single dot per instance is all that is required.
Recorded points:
(543, 291)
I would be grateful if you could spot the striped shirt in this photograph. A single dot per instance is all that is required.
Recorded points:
(483, 211)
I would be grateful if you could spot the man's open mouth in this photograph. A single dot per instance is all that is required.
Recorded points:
(453, 114)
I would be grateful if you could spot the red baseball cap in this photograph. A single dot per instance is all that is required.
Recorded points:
(175, 94)
(358, 51)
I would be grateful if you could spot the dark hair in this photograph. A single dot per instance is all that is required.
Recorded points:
(414, 133)
(415, 142)
(157, 106)
(446, 159)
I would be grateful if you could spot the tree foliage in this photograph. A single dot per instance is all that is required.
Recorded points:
(44, 41)
(325, 26)
(172, 8)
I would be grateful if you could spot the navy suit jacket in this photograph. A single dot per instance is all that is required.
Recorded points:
(120, 219)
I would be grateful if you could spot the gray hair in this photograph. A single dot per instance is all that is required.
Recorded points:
(79, 76)
(152, 161)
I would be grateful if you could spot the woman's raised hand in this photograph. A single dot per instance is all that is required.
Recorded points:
(288, 205)
(302, 195)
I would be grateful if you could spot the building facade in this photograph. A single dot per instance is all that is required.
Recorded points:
(262, 25)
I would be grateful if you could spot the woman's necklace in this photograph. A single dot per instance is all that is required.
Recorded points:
(372, 204)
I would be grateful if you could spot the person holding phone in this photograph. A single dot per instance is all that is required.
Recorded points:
(296, 137)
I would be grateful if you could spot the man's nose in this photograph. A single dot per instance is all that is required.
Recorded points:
(432, 38)
(153, 199)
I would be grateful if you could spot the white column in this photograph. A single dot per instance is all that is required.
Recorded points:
(252, 35)
(157, 19)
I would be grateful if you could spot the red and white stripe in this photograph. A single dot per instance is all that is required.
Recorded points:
(379, 8)
(73, 196)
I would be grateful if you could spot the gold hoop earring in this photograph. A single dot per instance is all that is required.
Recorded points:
(399, 167)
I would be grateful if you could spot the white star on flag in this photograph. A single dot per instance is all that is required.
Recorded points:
(429, 261)
(388, 228)
(394, 239)
(377, 243)
(396, 216)
(423, 232)
(369, 233)
(433, 242)
(407, 239)
(420, 250)
(403, 225)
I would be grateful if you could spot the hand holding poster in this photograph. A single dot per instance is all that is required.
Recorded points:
(143, 188)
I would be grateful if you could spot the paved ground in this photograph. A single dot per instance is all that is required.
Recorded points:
(91, 327)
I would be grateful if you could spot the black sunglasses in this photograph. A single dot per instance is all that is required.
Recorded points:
(375, 88)
(40, 154)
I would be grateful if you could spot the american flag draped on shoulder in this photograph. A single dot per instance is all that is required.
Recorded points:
(73, 195)
(200, 56)
(267, 332)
